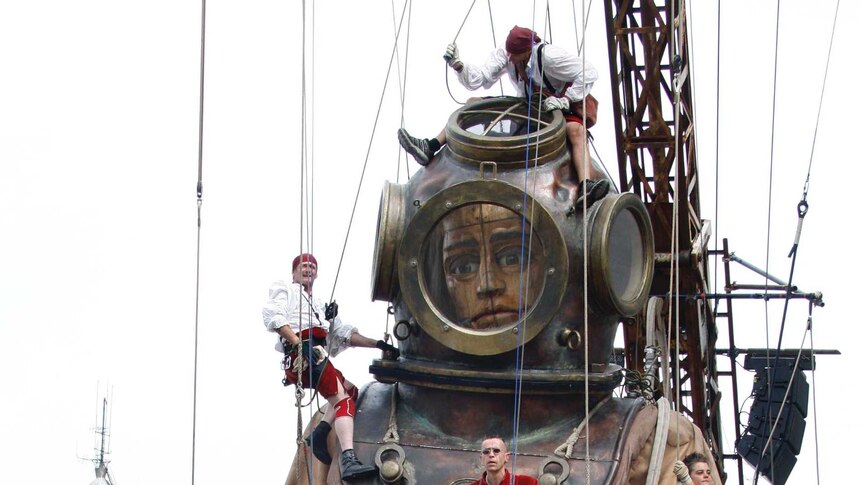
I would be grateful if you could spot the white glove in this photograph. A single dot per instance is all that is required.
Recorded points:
(552, 103)
(451, 57)
(681, 472)
(320, 354)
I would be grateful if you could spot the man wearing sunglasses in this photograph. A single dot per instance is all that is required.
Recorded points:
(494, 459)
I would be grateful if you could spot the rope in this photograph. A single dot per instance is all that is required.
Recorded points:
(566, 450)
(516, 421)
(820, 104)
(786, 393)
(575, 23)
(199, 191)
(601, 162)
(494, 41)
(802, 209)
(446, 66)
(656, 335)
(402, 88)
(313, 133)
(391, 435)
(586, 21)
(304, 217)
(814, 397)
(367, 154)
(717, 138)
(659, 443)
(644, 385)
(769, 216)
(674, 286)
(587, 165)
(524, 285)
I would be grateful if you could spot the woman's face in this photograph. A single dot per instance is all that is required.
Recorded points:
(700, 474)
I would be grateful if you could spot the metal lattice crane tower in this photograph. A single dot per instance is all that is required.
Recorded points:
(654, 123)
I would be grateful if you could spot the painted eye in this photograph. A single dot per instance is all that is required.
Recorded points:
(463, 265)
(510, 256)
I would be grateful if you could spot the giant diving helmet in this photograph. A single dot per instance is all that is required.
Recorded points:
(481, 255)
(483, 252)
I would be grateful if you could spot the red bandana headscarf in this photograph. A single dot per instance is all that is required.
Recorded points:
(306, 258)
(520, 40)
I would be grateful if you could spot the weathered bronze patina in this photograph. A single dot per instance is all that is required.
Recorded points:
(482, 256)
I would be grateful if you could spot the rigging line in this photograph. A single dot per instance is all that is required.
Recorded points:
(528, 288)
(771, 371)
(820, 104)
(464, 21)
(401, 80)
(200, 190)
(494, 41)
(769, 221)
(582, 50)
(402, 90)
(814, 395)
(524, 288)
(674, 240)
(367, 154)
(303, 204)
(675, 43)
(717, 138)
(601, 162)
(303, 162)
(575, 22)
(449, 89)
(586, 11)
(406, 60)
(312, 170)
(768, 448)
(518, 351)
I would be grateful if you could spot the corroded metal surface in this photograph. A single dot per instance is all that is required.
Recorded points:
(492, 312)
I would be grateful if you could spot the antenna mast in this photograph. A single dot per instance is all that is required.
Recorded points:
(101, 461)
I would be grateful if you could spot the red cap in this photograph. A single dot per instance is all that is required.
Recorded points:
(520, 40)
(306, 258)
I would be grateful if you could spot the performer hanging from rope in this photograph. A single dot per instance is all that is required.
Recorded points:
(295, 315)
(564, 80)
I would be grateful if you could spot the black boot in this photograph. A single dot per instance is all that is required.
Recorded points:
(317, 441)
(419, 148)
(352, 468)
(593, 190)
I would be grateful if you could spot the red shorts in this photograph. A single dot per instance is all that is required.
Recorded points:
(573, 119)
(324, 376)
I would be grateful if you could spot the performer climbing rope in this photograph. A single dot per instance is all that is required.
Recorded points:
(295, 315)
(536, 67)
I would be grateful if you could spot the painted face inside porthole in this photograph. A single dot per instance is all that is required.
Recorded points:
(488, 276)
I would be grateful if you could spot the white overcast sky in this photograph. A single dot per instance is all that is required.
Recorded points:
(98, 167)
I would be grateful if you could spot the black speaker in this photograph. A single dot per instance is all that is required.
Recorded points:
(774, 380)
(789, 426)
(777, 462)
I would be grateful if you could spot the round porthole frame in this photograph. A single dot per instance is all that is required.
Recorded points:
(601, 277)
(412, 278)
(390, 227)
(544, 144)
